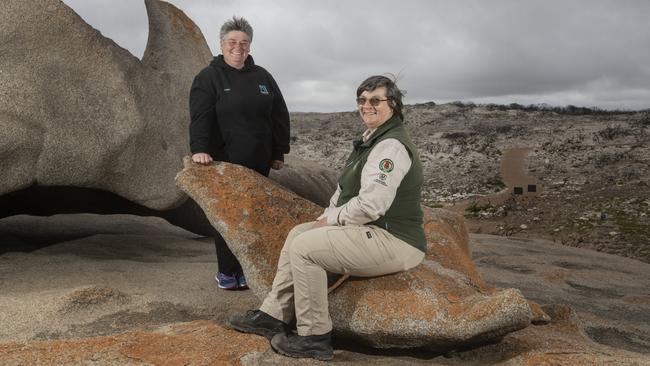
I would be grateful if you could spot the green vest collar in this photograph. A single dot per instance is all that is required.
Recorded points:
(394, 121)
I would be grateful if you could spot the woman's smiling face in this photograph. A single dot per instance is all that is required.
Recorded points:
(235, 47)
(374, 116)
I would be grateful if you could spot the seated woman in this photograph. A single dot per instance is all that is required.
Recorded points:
(372, 227)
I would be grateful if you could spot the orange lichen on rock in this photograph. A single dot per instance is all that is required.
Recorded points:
(539, 316)
(447, 225)
(379, 294)
(182, 21)
(448, 244)
(238, 203)
(196, 343)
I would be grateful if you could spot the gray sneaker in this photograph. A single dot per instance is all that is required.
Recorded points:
(226, 282)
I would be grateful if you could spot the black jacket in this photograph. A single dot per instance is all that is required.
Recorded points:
(238, 116)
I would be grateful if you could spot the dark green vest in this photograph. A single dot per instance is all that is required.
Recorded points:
(404, 217)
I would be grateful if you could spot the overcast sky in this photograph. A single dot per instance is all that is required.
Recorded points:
(560, 52)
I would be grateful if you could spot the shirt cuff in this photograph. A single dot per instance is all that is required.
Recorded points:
(277, 156)
(333, 216)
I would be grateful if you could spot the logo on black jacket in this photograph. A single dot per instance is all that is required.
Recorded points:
(263, 89)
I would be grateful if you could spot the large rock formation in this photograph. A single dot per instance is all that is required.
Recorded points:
(441, 304)
(307, 179)
(78, 110)
(87, 127)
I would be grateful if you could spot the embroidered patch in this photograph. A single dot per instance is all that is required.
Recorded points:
(382, 176)
(263, 89)
(386, 165)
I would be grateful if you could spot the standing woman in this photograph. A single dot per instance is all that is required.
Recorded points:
(372, 227)
(238, 115)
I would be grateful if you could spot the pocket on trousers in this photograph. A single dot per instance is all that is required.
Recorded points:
(373, 243)
(351, 250)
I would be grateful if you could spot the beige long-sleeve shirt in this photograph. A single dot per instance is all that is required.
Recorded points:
(378, 188)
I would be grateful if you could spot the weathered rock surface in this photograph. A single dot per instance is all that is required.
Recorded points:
(307, 179)
(182, 344)
(87, 127)
(78, 110)
(448, 245)
(23, 233)
(433, 306)
(240, 209)
(109, 274)
(609, 293)
(559, 343)
(60, 301)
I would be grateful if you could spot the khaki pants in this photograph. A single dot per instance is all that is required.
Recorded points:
(300, 284)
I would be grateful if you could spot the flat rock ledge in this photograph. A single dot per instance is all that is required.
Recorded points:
(180, 344)
(440, 305)
(561, 342)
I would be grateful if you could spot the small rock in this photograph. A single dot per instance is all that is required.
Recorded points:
(613, 233)
(523, 226)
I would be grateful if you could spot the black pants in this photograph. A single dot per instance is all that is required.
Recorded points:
(226, 260)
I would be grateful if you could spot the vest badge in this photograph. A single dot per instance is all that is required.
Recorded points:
(386, 165)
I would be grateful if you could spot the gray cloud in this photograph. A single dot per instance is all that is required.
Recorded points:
(592, 53)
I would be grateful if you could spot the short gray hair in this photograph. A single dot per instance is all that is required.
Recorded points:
(236, 24)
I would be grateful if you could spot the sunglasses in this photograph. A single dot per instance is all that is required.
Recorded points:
(374, 101)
